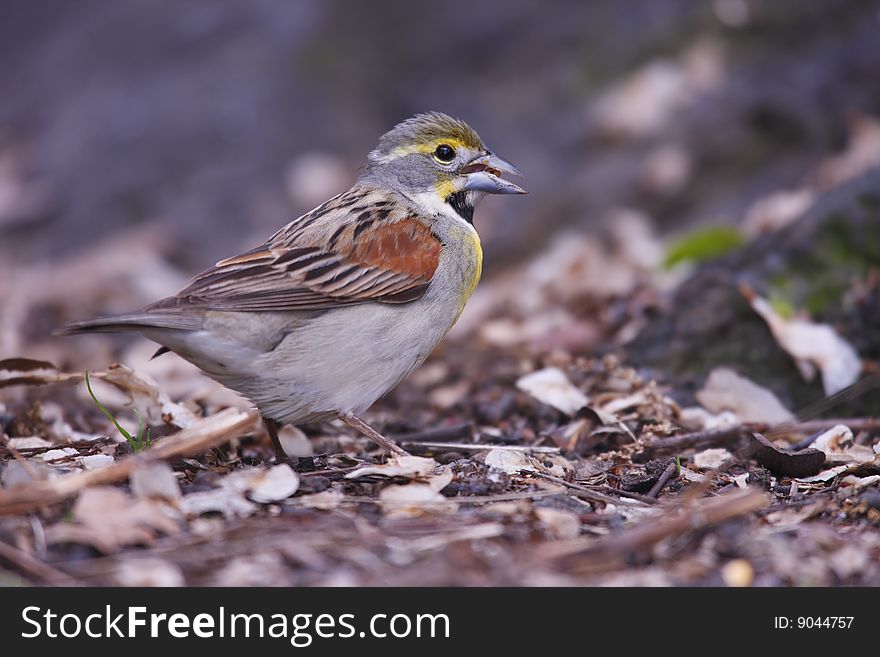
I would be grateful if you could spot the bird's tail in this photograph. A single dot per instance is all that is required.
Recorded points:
(133, 322)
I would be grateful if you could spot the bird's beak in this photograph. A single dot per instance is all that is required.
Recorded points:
(484, 175)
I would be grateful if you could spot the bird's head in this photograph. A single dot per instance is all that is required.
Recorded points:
(437, 159)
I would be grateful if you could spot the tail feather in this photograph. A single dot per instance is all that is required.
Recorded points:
(133, 322)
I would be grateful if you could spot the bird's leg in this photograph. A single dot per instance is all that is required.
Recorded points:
(388, 445)
(272, 429)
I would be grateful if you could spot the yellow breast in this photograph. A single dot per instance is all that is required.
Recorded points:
(472, 265)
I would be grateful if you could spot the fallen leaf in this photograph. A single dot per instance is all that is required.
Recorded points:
(824, 476)
(326, 500)
(240, 489)
(811, 345)
(415, 499)
(273, 485)
(57, 454)
(561, 524)
(689, 475)
(155, 480)
(397, 466)
(835, 439)
(96, 461)
(108, 519)
(152, 403)
(294, 442)
(725, 390)
(231, 503)
(509, 461)
(711, 459)
(550, 386)
(14, 474)
(30, 442)
(858, 483)
(26, 371)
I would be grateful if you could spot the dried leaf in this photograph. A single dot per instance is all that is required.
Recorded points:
(417, 498)
(550, 386)
(108, 519)
(151, 402)
(231, 503)
(237, 489)
(398, 466)
(562, 524)
(514, 461)
(824, 476)
(294, 442)
(811, 345)
(96, 461)
(711, 459)
(273, 485)
(31, 442)
(155, 480)
(14, 474)
(834, 440)
(725, 390)
(26, 371)
(509, 461)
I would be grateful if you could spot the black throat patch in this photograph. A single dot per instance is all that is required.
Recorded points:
(462, 206)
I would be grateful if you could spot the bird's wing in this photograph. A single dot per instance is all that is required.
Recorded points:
(337, 259)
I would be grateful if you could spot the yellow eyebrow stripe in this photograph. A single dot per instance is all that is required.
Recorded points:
(427, 147)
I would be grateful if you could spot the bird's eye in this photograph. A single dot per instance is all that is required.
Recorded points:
(444, 153)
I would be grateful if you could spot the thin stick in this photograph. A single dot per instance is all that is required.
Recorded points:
(22, 461)
(720, 436)
(670, 471)
(36, 568)
(627, 493)
(583, 491)
(474, 447)
(703, 514)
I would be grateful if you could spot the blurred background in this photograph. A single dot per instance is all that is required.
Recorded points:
(221, 121)
(142, 141)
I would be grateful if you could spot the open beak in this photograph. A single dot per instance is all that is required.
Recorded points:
(484, 175)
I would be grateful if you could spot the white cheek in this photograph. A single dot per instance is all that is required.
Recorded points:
(432, 202)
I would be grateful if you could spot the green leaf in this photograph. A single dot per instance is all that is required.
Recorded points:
(703, 244)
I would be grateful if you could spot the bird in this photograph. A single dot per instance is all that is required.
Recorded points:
(340, 305)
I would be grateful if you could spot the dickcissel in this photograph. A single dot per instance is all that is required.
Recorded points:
(341, 304)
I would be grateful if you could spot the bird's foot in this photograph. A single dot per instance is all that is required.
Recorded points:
(272, 429)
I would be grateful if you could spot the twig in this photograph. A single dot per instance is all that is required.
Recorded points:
(477, 447)
(22, 461)
(721, 436)
(441, 435)
(627, 493)
(200, 437)
(670, 471)
(583, 491)
(36, 568)
(704, 514)
(698, 438)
